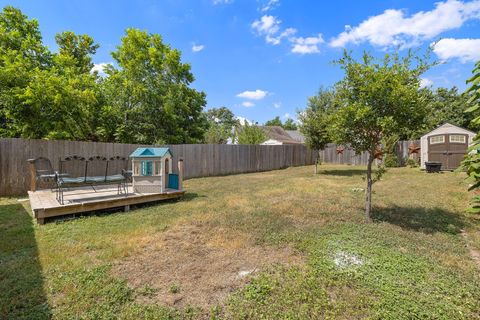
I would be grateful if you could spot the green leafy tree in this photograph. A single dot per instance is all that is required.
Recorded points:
(222, 125)
(222, 116)
(377, 98)
(45, 95)
(290, 125)
(22, 54)
(274, 122)
(472, 161)
(446, 105)
(390, 158)
(251, 134)
(150, 92)
(64, 96)
(315, 119)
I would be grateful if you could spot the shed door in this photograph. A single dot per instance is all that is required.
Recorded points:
(449, 149)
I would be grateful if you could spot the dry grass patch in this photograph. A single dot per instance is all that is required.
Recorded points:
(193, 265)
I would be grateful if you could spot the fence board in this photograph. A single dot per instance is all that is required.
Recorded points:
(200, 160)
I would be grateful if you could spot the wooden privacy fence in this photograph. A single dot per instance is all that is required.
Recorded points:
(348, 156)
(200, 160)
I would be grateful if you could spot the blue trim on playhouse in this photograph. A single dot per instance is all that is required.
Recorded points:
(150, 152)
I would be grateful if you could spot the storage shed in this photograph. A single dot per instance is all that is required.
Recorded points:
(447, 144)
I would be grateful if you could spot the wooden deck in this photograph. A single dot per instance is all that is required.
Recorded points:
(85, 199)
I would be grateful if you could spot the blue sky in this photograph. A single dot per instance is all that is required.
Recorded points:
(263, 58)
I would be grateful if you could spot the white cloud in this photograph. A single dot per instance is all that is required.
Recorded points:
(464, 49)
(248, 104)
(215, 2)
(277, 39)
(100, 67)
(267, 25)
(425, 82)
(395, 28)
(253, 95)
(243, 120)
(197, 47)
(270, 5)
(287, 116)
(306, 45)
(277, 105)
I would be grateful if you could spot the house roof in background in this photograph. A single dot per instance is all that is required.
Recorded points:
(296, 135)
(279, 134)
(150, 152)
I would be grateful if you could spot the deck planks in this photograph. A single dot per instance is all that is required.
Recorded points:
(85, 199)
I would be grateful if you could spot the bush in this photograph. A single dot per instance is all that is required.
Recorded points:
(391, 161)
(412, 163)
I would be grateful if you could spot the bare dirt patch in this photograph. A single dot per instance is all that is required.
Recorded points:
(193, 265)
(474, 253)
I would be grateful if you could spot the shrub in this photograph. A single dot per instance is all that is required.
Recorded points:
(391, 161)
(412, 163)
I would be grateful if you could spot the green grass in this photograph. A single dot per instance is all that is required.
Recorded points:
(411, 263)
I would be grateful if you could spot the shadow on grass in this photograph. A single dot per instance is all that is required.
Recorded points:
(188, 196)
(344, 173)
(426, 220)
(21, 279)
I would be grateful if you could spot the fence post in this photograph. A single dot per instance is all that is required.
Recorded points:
(33, 176)
(180, 173)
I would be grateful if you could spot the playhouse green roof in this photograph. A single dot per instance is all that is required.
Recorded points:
(150, 152)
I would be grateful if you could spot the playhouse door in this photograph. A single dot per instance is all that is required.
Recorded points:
(167, 171)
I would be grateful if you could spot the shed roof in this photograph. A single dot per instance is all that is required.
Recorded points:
(279, 134)
(150, 152)
(446, 126)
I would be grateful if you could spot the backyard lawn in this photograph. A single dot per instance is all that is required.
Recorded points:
(280, 244)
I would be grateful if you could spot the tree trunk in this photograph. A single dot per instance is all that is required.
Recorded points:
(368, 200)
(316, 162)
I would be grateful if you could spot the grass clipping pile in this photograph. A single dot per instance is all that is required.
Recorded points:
(189, 265)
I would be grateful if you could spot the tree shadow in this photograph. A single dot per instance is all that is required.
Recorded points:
(21, 280)
(426, 220)
(345, 173)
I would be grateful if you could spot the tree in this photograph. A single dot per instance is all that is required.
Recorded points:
(22, 53)
(315, 119)
(223, 116)
(251, 134)
(151, 92)
(472, 161)
(289, 124)
(377, 98)
(274, 122)
(446, 105)
(222, 124)
(45, 95)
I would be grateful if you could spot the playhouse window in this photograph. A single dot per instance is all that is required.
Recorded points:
(158, 168)
(136, 168)
(146, 168)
